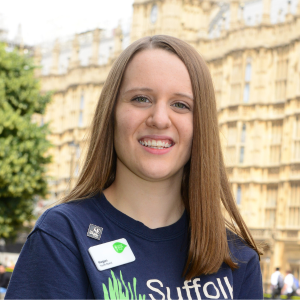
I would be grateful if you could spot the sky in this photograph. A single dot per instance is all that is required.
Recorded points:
(44, 20)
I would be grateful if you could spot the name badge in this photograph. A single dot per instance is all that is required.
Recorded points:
(111, 254)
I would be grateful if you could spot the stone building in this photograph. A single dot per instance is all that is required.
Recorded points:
(252, 48)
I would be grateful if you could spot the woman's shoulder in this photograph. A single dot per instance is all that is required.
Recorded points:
(68, 210)
(240, 251)
(64, 219)
(247, 279)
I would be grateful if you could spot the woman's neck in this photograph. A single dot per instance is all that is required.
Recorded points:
(154, 203)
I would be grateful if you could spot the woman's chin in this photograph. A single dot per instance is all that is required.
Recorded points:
(157, 174)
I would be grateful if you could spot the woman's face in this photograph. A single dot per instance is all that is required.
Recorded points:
(154, 116)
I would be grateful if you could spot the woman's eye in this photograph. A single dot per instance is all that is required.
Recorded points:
(141, 99)
(180, 105)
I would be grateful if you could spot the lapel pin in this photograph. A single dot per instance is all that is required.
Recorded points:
(94, 232)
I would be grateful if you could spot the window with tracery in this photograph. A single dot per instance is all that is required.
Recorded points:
(81, 107)
(231, 143)
(270, 208)
(248, 72)
(281, 75)
(293, 219)
(296, 139)
(275, 146)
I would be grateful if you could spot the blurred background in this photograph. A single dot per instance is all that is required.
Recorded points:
(252, 48)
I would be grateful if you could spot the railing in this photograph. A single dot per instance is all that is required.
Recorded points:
(261, 233)
(280, 234)
(291, 234)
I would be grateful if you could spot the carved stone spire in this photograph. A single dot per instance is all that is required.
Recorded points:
(266, 11)
(37, 58)
(95, 47)
(74, 61)
(118, 40)
(234, 9)
(55, 57)
(205, 6)
(289, 16)
(298, 8)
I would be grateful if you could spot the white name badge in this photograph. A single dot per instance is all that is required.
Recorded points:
(111, 254)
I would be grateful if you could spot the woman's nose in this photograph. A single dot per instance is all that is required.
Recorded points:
(159, 116)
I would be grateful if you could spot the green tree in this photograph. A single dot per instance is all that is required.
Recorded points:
(23, 144)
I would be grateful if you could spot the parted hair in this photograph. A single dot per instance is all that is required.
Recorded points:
(205, 186)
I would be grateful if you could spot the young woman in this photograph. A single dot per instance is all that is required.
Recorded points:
(144, 220)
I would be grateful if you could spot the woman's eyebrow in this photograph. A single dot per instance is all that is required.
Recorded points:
(184, 95)
(144, 89)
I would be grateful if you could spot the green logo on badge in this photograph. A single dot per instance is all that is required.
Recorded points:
(119, 247)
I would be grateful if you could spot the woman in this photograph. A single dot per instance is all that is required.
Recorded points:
(147, 220)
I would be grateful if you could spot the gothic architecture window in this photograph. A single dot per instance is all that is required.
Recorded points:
(231, 143)
(242, 144)
(81, 107)
(218, 79)
(296, 139)
(239, 194)
(293, 219)
(275, 146)
(281, 74)
(236, 77)
(270, 209)
(248, 72)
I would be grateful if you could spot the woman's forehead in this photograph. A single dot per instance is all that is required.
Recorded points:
(152, 67)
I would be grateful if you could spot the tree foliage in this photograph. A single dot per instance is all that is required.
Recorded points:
(23, 144)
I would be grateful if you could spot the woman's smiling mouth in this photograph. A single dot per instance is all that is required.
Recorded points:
(156, 144)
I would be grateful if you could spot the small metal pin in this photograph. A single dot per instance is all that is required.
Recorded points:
(94, 232)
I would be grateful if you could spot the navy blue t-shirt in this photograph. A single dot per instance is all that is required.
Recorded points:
(55, 262)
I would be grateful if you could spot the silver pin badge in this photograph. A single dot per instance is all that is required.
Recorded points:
(94, 232)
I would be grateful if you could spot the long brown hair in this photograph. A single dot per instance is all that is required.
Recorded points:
(204, 185)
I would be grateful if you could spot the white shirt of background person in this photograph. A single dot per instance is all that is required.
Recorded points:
(289, 281)
(275, 277)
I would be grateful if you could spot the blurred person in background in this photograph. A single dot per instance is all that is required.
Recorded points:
(297, 286)
(4, 279)
(277, 283)
(289, 287)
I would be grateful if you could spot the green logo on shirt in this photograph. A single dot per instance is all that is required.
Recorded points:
(119, 247)
(118, 290)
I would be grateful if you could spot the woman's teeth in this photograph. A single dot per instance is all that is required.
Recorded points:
(156, 144)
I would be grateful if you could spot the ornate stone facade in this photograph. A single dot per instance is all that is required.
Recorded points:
(253, 51)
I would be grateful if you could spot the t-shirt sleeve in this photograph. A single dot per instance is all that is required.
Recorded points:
(48, 269)
(251, 287)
